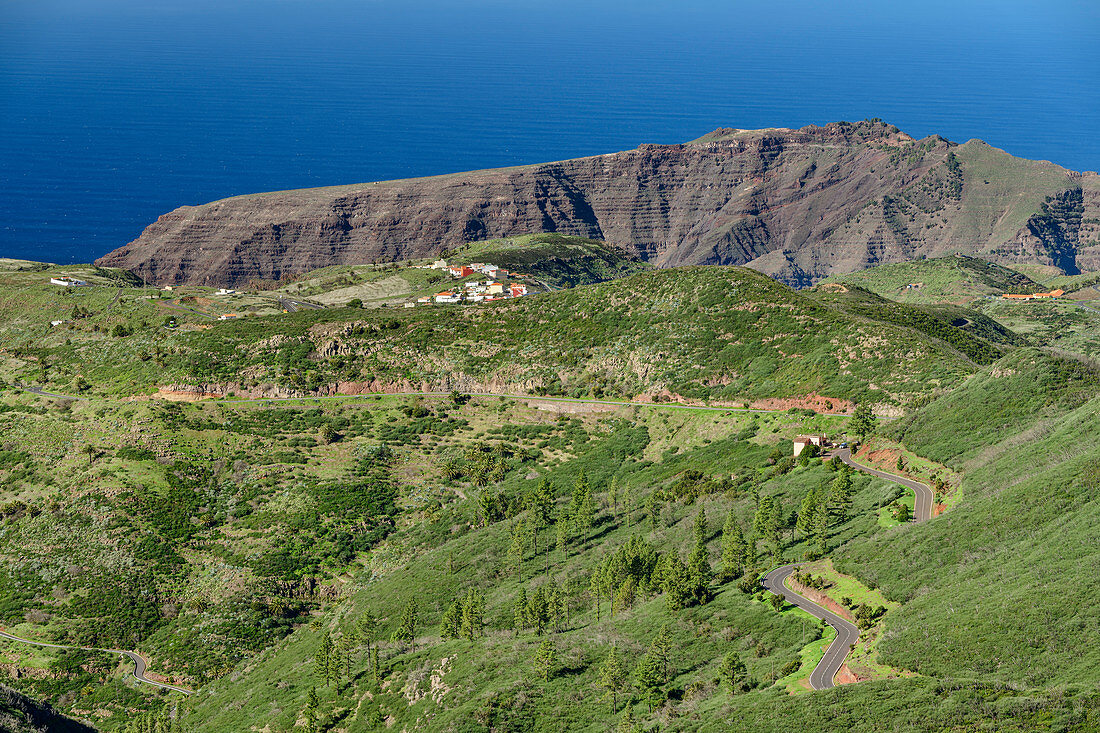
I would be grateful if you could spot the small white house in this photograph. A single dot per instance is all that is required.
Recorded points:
(68, 282)
(226, 291)
(801, 441)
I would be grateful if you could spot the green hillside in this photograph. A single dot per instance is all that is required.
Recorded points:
(706, 332)
(548, 261)
(445, 562)
(1016, 556)
(956, 279)
(558, 259)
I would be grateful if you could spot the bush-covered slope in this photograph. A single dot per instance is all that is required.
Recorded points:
(1003, 586)
(956, 279)
(701, 332)
(560, 260)
(973, 334)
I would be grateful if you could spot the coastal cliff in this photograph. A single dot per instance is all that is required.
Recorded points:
(796, 204)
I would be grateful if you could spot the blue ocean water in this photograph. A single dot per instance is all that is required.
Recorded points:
(113, 112)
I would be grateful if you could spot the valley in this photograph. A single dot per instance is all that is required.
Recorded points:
(367, 516)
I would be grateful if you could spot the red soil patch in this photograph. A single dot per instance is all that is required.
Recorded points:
(845, 676)
(820, 598)
(812, 401)
(938, 509)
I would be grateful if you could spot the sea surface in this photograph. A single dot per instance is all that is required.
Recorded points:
(113, 112)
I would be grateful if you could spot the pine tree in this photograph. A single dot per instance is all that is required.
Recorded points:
(625, 595)
(807, 510)
(676, 583)
(596, 585)
(406, 630)
(699, 528)
(561, 530)
(733, 547)
(840, 492)
(538, 610)
(699, 573)
(821, 527)
(733, 673)
(546, 660)
(451, 622)
(519, 612)
(653, 509)
(518, 547)
(322, 659)
(473, 615)
(862, 422)
(612, 677)
(541, 503)
(648, 678)
(613, 497)
(312, 710)
(582, 508)
(627, 724)
(662, 649)
(365, 629)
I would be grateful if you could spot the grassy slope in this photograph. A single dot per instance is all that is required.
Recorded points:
(693, 331)
(997, 555)
(1009, 593)
(558, 259)
(941, 280)
(415, 565)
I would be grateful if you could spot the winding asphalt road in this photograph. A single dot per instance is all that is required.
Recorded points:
(847, 633)
(140, 665)
(922, 507)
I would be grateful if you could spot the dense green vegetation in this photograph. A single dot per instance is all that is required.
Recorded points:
(691, 332)
(456, 563)
(955, 279)
(1016, 557)
(557, 259)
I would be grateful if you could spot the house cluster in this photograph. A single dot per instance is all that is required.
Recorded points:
(1034, 296)
(476, 290)
(67, 282)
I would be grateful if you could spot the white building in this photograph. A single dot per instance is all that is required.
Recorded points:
(67, 282)
(801, 441)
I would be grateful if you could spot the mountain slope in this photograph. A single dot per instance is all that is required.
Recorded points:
(698, 332)
(796, 204)
(956, 279)
(1005, 589)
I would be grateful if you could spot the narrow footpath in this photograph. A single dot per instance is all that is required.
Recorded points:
(847, 633)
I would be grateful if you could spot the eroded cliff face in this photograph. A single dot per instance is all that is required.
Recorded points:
(796, 204)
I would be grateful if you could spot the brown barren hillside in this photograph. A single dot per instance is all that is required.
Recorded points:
(796, 204)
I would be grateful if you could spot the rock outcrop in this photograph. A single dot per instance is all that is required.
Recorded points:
(796, 204)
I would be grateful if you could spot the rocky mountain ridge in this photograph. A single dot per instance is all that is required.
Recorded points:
(798, 205)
